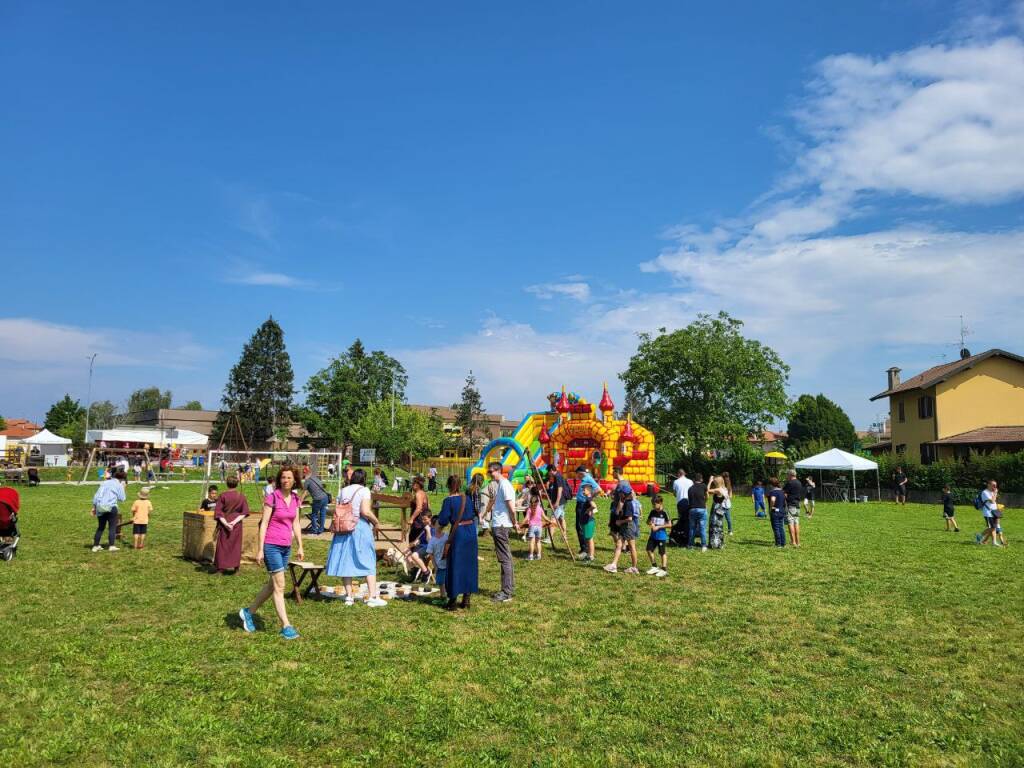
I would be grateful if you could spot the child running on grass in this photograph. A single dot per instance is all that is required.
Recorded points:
(949, 510)
(141, 508)
(535, 522)
(659, 524)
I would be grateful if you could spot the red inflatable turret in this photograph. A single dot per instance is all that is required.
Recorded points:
(544, 438)
(627, 431)
(606, 405)
(563, 403)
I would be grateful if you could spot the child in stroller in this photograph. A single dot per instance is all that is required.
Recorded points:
(10, 503)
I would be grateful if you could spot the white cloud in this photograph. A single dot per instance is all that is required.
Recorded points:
(273, 279)
(515, 366)
(944, 123)
(572, 289)
(28, 341)
(247, 273)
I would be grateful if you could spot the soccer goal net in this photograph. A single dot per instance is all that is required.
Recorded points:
(261, 466)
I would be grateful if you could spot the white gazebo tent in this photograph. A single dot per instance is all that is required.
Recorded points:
(837, 460)
(53, 448)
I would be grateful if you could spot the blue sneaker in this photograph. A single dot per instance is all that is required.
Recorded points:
(289, 633)
(247, 623)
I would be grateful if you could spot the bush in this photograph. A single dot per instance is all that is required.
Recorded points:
(970, 476)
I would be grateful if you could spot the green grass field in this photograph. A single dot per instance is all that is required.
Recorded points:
(883, 640)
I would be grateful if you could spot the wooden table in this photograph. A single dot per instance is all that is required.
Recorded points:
(305, 569)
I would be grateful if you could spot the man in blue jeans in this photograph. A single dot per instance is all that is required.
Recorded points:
(319, 501)
(698, 498)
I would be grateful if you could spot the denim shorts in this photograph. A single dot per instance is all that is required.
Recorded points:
(534, 532)
(559, 512)
(442, 576)
(276, 557)
(139, 529)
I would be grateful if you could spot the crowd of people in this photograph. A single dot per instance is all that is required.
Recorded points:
(445, 544)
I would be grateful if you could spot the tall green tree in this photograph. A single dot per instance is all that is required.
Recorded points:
(63, 412)
(416, 434)
(148, 399)
(260, 387)
(705, 385)
(103, 414)
(3, 423)
(192, 405)
(819, 419)
(469, 411)
(338, 395)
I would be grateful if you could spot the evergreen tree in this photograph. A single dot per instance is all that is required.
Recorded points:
(62, 413)
(259, 388)
(338, 396)
(469, 411)
(821, 420)
(3, 423)
(192, 405)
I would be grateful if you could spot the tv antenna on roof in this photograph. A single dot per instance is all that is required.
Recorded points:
(962, 344)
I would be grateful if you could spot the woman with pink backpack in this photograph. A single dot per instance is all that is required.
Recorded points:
(352, 552)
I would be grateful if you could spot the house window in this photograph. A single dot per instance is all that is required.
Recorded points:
(901, 448)
(929, 453)
(962, 452)
(925, 407)
(901, 415)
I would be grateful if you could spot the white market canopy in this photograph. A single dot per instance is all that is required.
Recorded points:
(46, 437)
(154, 436)
(839, 460)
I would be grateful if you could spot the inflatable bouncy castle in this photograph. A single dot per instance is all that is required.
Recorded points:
(573, 433)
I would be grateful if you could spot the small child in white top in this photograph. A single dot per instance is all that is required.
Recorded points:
(435, 552)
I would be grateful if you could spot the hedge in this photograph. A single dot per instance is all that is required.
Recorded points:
(965, 477)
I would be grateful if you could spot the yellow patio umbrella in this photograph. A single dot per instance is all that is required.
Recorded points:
(776, 455)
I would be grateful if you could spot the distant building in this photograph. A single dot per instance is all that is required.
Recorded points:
(972, 405)
(768, 441)
(18, 429)
(204, 422)
(492, 425)
(175, 418)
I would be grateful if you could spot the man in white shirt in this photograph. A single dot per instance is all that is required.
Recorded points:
(681, 488)
(502, 512)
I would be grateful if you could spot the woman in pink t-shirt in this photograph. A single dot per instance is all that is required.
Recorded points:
(279, 524)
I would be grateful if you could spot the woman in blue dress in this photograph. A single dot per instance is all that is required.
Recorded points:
(353, 554)
(458, 512)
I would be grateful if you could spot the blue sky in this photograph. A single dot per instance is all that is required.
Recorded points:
(518, 190)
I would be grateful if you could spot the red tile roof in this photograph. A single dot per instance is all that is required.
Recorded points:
(766, 437)
(942, 372)
(19, 429)
(985, 435)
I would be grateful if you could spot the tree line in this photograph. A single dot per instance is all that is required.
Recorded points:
(702, 389)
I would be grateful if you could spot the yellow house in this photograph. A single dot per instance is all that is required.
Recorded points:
(973, 404)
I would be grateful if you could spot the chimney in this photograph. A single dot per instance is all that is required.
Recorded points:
(894, 377)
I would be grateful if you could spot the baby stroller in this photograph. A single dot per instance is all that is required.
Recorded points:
(716, 532)
(10, 503)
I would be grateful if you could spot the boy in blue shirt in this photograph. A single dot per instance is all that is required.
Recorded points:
(757, 494)
(659, 523)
